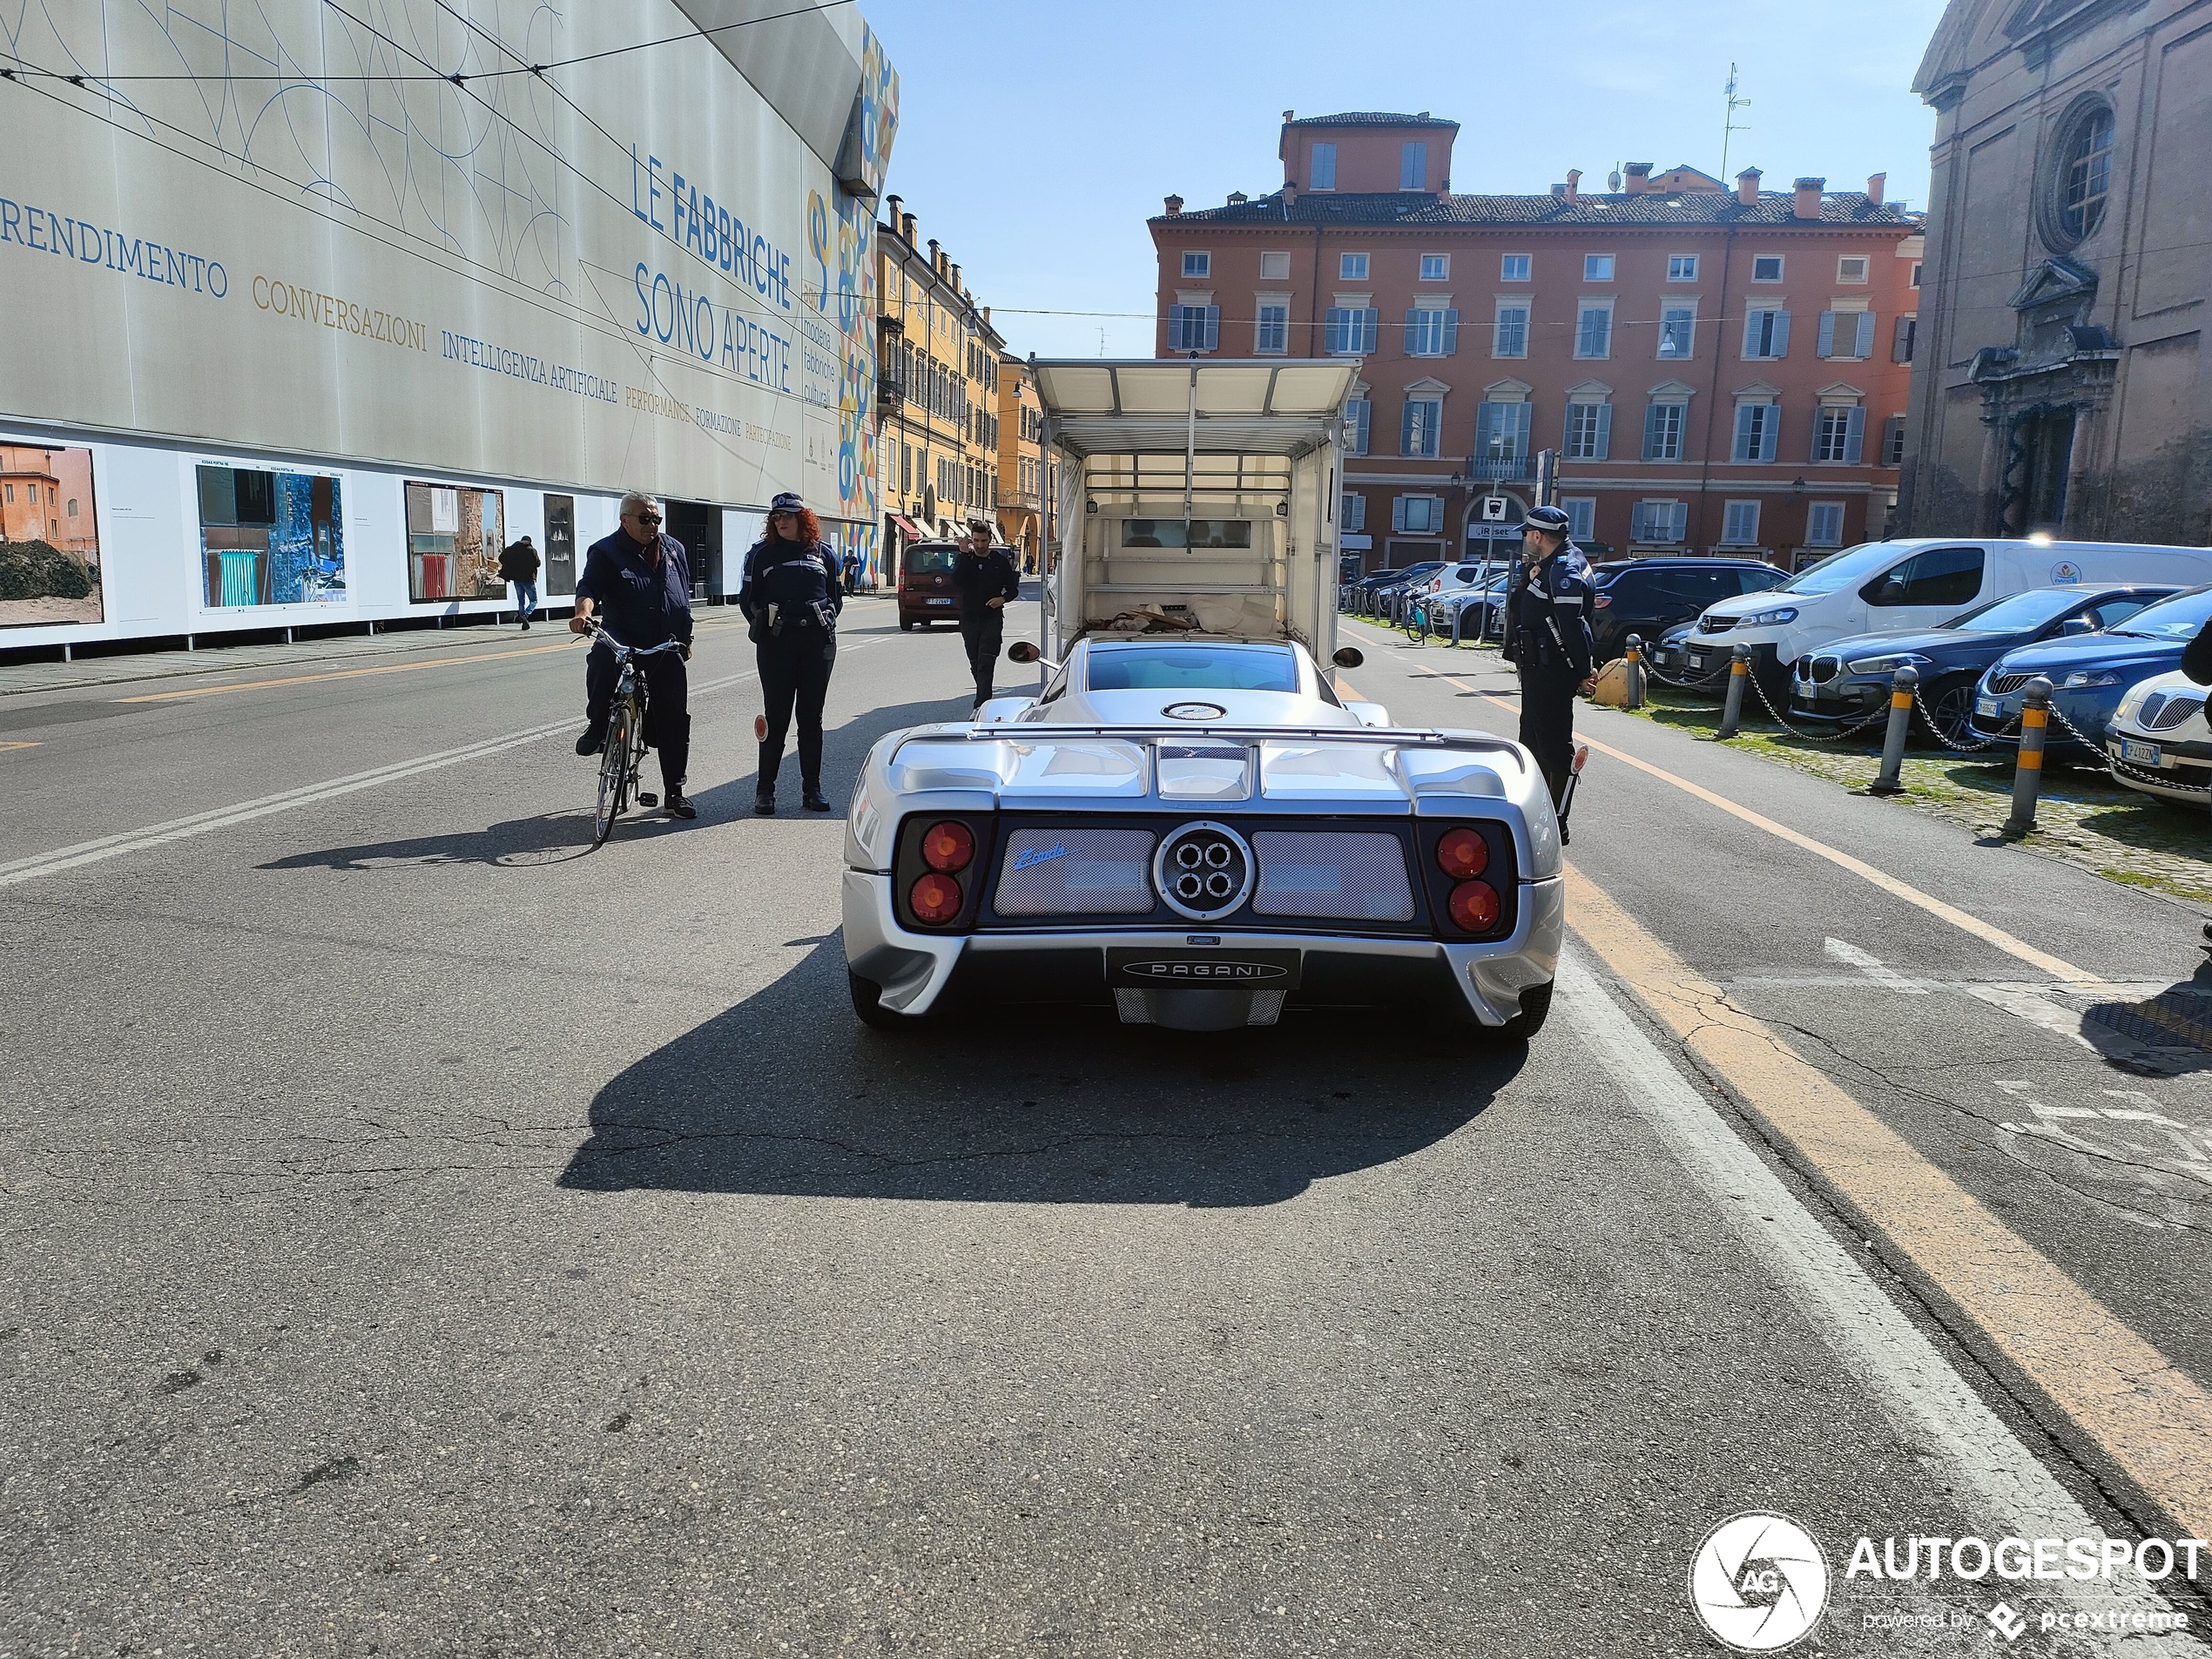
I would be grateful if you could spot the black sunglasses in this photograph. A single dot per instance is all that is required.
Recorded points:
(646, 518)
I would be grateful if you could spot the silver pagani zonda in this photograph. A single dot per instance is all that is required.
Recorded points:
(1198, 832)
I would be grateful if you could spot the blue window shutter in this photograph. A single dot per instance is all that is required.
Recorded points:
(1743, 445)
(1331, 327)
(1819, 424)
(1781, 336)
(1175, 328)
(1517, 417)
(1751, 333)
(1486, 429)
(1398, 512)
(1827, 346)
(1855, 436)
(1652, 417)
(1372, 330)
(1414, 341)
(1865, 334)
(1771, 431)
(1604, 432)
(1213, 328)
(1451, 333)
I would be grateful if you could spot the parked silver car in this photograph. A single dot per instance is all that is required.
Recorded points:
(1202, 833)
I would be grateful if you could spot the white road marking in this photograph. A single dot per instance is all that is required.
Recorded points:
(180, 829)
(2000, 1483)
(1888, 978)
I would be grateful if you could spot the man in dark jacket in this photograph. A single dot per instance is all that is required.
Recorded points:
(987, 579)
(791, 595)
(637, 583)
(1547, 638)
(518, 564)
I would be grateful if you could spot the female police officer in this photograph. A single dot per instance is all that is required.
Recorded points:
(1547, 638)
(791, 595)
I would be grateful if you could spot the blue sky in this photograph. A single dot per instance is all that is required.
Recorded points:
(1035, 138)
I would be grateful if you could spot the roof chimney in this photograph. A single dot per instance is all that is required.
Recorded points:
(906, 228)
(1808, 202)
(1423, 115)
(1574, 184)
(1290, 115)
(987, 316)
(1747, 187)
(936, 257)
(1637, 176)
(1290, 194)
(1175, 205)
(955, 276)
(1237, 198)
(1875, 187)
(893, 204)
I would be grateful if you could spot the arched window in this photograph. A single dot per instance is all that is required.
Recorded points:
(2081, 178)
(73, 507)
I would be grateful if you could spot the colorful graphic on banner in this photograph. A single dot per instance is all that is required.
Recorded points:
(270, 538)
(454, 538)
(50, 540)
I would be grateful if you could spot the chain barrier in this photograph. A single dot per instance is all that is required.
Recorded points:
(1880, 714)
(2112, 771)
(1943, 737)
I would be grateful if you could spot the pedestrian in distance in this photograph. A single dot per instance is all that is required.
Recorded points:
(986, 578)
(852, 574)
(518, 563)
(636, 583)
(791, 595)
(1547, 639)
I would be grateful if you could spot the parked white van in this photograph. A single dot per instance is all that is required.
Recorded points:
(1881, 586)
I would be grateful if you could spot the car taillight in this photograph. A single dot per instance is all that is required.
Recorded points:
(936, 899)
(948, 848)
(1601, 603)
(1462, 854)
(1473, 906)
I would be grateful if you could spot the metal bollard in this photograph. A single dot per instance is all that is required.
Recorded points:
(2028, 771)
(1901, 684)
(1732, 713)
(1634, 660)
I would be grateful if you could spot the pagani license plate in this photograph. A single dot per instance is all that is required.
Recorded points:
(1238, 970)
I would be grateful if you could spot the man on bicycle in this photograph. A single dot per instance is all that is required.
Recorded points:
(637, 583)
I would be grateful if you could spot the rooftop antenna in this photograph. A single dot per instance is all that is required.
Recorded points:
(1101, 340)
(1728, 125)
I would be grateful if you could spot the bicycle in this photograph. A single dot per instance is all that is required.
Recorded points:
(625, 750)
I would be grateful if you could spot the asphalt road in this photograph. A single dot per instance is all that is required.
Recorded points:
(428, 1237)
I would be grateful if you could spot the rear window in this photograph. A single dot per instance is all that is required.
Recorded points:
(930, 558)
(1192, 668)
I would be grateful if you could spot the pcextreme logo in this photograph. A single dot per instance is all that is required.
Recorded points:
(1758, 1583)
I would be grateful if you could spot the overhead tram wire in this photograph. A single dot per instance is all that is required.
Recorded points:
(15, 73)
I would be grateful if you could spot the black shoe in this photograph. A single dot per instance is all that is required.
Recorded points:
(526, 621)
(764, 803)
(593, 741)
(813, 800)
(679, 804)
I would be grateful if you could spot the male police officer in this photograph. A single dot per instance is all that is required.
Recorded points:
(1548, 637)
(638, 581)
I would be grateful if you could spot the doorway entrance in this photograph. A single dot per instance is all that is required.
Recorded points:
(560, 546)
(700, 528)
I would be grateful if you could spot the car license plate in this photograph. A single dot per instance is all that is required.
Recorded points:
(941, 602)
(1234, 970)
(2143, 754)
(1986, 707)
(1697, 659)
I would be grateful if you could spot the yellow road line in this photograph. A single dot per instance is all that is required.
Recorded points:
(1988, 932)
(19, 746)
(2151, 1419)
(339, 674)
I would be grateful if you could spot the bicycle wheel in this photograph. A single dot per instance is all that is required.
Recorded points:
(614, 768)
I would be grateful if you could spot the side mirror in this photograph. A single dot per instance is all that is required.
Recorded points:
(1349, 657)
(1023, 651)
(2073, 625)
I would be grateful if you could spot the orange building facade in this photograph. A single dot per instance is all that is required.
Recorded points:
(1716, 370)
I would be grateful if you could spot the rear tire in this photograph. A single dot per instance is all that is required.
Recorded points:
(868, 1006)
(1951, 707)
(1535, 1008)
(905, 627)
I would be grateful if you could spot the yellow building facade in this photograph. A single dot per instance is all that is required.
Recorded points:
(1021, 500)
(938, 427)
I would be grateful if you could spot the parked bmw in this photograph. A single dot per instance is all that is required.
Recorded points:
(1847, 682)
(2158, 741)
(2089, 675)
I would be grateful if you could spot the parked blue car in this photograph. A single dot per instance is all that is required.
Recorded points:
(2088, 675)
(1847, 682)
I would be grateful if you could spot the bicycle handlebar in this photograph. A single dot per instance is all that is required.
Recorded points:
(599, 631)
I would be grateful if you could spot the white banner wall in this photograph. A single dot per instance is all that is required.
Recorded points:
(418, 238)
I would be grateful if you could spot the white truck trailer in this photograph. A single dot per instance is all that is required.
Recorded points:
(1194, 493)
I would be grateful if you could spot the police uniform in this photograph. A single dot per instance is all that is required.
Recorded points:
(642, 593)
(1549, 640)
(982, 577)
(791, 594)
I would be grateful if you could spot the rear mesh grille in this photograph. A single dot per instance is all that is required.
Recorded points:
(2165, 711)
(1350, 875)
(1075, 872)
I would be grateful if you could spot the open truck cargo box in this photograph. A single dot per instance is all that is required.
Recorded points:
(1203, 491)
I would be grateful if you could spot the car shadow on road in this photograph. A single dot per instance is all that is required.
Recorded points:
(785, 1093)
